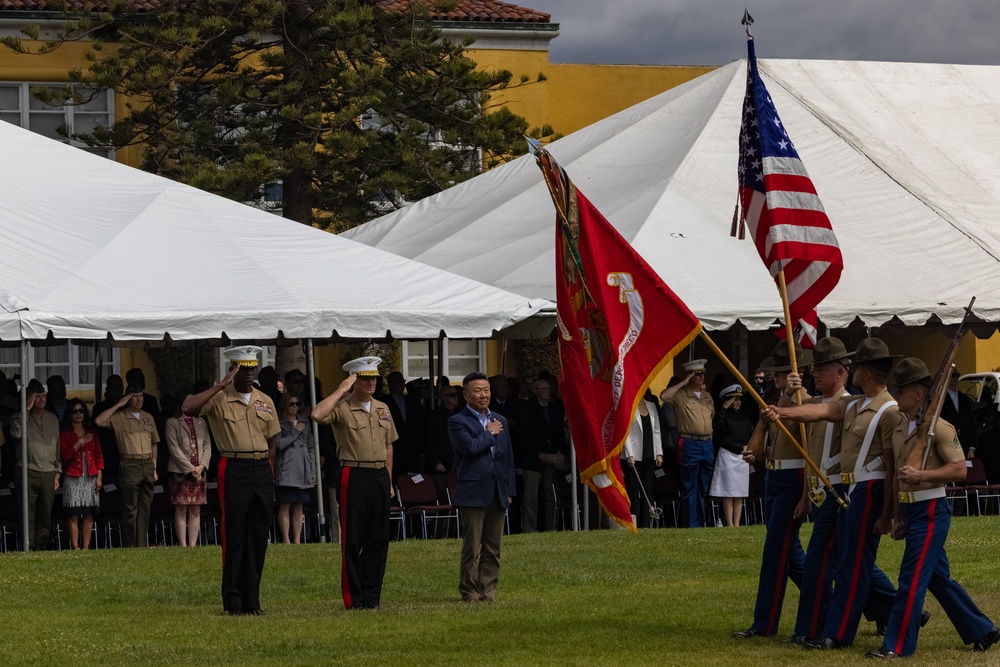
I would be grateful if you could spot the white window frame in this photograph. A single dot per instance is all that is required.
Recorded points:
(42, 371)
(419, 351)
(24, 104)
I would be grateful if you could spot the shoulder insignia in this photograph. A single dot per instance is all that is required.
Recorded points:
(262, 406)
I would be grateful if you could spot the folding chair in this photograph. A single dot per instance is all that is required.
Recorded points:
(418, 496)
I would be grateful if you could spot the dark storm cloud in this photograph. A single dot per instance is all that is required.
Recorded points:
(707, 32)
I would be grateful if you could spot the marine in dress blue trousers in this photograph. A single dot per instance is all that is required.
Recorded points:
(782, 558)
(925, 568)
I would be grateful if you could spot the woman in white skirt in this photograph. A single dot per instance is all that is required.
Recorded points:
(83, 465)
(731, 432)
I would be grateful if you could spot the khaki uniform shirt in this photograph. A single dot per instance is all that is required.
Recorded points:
(778, 444)
(945, 449)
(238, 426)
(855, 425)
(362, 436)
(135, 437)
(817, 436)
(694, 415)
(43, 442)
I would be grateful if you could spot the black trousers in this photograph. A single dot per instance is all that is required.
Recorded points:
(246, 494)
(364, 526)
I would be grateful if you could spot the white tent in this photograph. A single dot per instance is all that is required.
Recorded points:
(905, 157)
(93, 247)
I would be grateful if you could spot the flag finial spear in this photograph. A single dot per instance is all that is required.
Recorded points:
(533, 144)
(747, 21)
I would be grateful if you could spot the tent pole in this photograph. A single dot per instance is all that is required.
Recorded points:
(503, 356)
(24, 446)
(434, 399)
(311, 368)
(575, 504)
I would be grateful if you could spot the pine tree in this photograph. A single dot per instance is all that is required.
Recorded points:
(351, 109)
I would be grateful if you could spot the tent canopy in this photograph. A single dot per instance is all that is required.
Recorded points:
(93, 248)
(903, 156)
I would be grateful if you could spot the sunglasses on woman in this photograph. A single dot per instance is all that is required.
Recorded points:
(77, 411)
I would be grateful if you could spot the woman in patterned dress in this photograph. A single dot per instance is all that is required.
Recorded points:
(83, 465)
(190, 452)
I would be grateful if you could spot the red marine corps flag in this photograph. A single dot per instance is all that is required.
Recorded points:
(619, 324)
(779, 205)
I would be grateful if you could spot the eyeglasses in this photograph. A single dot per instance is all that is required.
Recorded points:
(77, 411)
(293, 404)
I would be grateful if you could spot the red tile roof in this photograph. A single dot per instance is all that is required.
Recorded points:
(487, 11)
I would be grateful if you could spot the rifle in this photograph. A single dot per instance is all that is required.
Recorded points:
(930, 411)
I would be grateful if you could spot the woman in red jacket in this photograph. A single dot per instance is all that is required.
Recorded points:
(83, 464)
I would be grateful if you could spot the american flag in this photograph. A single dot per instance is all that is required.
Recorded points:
(779, 205)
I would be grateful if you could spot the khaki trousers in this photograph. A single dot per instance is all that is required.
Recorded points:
(482, 528)
(135, 479)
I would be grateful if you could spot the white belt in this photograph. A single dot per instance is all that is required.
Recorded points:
(858, 477)
(917, 496)
(785, 464)
(830, 462)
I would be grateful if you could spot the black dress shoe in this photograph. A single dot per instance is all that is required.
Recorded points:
(881, 654)
(796, 639)
(823, 644)
(235, 611)
(255, 612)
(925, 617)
(988, 640)
(747, 634)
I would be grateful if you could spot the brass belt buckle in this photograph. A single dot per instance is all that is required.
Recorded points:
(769, 464)
(817, 494)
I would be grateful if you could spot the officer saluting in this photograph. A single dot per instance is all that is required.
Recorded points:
(364, 432)
(245, 424)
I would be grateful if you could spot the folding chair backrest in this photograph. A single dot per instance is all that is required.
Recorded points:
(413, 492)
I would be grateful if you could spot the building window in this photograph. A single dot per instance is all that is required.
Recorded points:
(75, 363)
(19, 107)
(461, 356)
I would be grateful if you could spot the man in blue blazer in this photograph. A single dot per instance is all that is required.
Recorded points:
(484, 466)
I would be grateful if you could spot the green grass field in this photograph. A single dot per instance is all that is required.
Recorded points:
(663, 597)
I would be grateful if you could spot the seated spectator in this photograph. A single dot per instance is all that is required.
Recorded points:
(83, 465)
(295, 468)
(190, 451)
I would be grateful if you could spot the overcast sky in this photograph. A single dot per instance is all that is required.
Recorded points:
(708, 32)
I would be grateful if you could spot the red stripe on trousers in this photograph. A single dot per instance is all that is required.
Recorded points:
(916, 576)
(772, 623)
(345, 588)
(857, 565)
(820, 585)
(222, 504)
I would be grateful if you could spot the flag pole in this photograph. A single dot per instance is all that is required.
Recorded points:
(789, 332)
(760, 401)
